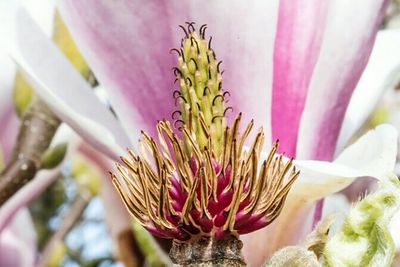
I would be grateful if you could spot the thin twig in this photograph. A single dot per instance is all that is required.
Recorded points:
(71, 217)
(38, 126)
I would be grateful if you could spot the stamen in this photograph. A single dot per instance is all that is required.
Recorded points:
(184, 30)
(175, 50)
(190, 26)
(202, 30)
(227, 109)
(176, 112)
(216, 97)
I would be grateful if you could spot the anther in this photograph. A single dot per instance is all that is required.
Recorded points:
(175, 50)
(205, 89)
(226, 110)
(219, 63)
(175, 69)
(194, 61)
(216, 117)
(186, 33)
(226, 93)
(181, 121)
(189, 81)
(180, 97)
(209, 43)
(219, 86)
(197, 45)
(174, 94)
(176, 79)
(203, 30)
(216, 97)
(209, 73)
(176, 112)
(190, 26)
(182, 55)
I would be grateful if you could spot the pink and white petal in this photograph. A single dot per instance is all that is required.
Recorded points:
(338, 206)
(292, 225)
(26, 194)
(63, 89)
(18, 246)
(117, 217)
(300, 28)
(347, 43)
(372, 155)
(127, 45)
(382, 69)
(243, 35)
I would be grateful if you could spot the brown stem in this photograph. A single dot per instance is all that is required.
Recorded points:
(129, 251)
(38, 126)
(207, 251)
(72, 216)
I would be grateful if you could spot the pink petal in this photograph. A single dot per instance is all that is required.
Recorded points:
(18, 246)
(64, 90)
(26, 194)
(298, 40)
(127, 44)
(117, 217)
(347, 44)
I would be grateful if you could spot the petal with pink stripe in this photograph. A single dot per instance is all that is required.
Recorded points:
(298, 40)
(346, 47)
(127, 45)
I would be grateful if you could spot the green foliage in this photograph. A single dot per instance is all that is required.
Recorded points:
(22, 94)
(86, 175)
(147, 245)
(53, 156)
(364, 238)
(46, 207)
(57, 256)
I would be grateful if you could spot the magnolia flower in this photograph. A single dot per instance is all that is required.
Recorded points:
(290, 66)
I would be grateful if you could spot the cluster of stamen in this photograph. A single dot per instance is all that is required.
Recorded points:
(202, 180)
(178, 196)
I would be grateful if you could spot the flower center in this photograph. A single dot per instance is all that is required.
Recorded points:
(203, 182)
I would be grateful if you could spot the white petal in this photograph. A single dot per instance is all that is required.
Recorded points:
(18, 246)
(379, 75)
(374, 155)
(70, 96)
(394, 228)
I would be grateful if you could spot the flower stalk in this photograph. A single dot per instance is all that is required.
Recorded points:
(207, 251)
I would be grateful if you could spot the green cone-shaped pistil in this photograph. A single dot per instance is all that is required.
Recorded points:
(200, 96)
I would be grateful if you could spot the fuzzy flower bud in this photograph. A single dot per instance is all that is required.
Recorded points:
(364, 238)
